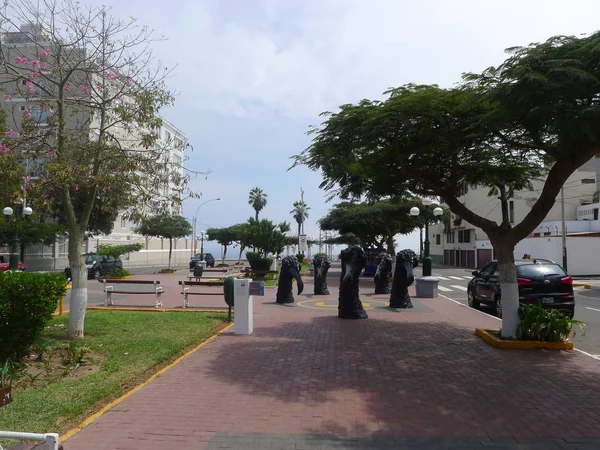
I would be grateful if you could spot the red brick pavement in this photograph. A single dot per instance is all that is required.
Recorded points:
(413, 373)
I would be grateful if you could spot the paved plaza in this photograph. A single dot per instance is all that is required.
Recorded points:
(416, 378)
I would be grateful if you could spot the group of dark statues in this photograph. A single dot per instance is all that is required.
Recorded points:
(353, 262)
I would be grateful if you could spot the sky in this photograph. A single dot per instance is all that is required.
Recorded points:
(252, 76)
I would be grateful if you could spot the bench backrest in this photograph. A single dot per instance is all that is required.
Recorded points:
(200, 283)
(155, 282)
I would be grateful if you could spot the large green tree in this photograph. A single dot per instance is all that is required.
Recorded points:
(537, 115)
(93, 93)
(166, 226)
(224, 236)
(266, 236)
(372, 223)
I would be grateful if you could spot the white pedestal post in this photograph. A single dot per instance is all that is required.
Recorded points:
(244, 322)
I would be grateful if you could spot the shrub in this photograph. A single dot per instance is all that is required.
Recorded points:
(300, 257)
(27, 301)
(545, 324)
(257, 262)
(119, 272)
(316, 255)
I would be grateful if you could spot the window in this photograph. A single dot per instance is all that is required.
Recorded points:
(438, 238)
(588, 181)
(167, 136)
(511, 211)
(450, 237)
(467, 236)
(123, 222)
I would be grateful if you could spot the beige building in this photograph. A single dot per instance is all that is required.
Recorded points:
(460, 244)
(24, 99)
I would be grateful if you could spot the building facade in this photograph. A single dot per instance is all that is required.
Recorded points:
(26, 98)
(458, 243)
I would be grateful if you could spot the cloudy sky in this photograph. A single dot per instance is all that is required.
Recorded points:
(253, 75)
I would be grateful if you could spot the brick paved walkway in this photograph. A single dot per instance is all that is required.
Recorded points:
(409, 379)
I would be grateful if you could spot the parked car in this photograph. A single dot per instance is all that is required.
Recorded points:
(208, 257)
(5, 263)
(539, 280)
(98, 266)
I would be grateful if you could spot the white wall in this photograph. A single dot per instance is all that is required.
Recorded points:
(583, 253)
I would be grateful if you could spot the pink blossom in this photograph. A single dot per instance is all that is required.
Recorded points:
(50, 153)
(35, 63)
(27, 111)
(43, 180)
(7, 97)
(27, 178)
(44, 53)
(127, 80)
(66, 87)
(118, 172)
(9, 134)
(84, 89)
(76, 187)
(20, 60)
(50, 188)
(4, 149)
(35, 74)
(110, 75)
(43, 66)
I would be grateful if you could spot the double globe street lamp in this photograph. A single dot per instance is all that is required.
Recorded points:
(414, 211)
(14, 250)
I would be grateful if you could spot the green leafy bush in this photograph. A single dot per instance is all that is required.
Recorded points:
(119, 272)
(316, 255)
(300, 257)
(27, 301)
(257, 262)
(546, 324)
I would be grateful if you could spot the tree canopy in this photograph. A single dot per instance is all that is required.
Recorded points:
(372, 224)
(166, 226)
(536, 116)
(258, 200)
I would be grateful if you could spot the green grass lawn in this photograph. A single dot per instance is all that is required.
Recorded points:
(128, 347)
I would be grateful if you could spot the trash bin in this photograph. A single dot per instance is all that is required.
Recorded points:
(228, 290)
(199, 269)
(427, 287)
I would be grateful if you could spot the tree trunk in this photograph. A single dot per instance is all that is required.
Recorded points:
(504, 250)
(256, 215)
(224, 254)
(242, 248)
(79, 278)
(390, 246)
(170, 251)
(420, 242)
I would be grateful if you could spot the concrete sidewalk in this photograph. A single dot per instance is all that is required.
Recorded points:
(415, 378)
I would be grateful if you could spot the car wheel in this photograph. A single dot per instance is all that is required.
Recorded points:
(471, 299)
(498, 304)
(97, 274)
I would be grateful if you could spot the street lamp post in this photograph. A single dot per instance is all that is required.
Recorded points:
(414, 211)
(194, 220)
(202, 243)
(14, 250)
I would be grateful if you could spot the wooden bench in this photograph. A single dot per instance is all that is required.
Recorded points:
(185, 291)
(157, 290)
(221, 271)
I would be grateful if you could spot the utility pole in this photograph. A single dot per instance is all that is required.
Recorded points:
(564, 229)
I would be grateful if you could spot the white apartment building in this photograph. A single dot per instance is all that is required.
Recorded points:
(172, 144)
(460, 244)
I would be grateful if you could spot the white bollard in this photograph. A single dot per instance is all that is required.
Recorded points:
(244, 321)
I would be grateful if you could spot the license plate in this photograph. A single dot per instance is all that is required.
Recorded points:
(547, 300)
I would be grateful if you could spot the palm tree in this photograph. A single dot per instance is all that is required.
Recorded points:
(300, 214)
(258, 200)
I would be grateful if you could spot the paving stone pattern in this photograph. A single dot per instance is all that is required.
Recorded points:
(322, 382)
(250, 441)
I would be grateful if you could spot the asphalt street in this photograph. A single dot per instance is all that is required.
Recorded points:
(453, 285)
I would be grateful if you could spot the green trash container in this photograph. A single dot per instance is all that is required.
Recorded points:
(199, 269)
(228, 293)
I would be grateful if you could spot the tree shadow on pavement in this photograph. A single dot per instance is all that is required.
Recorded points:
(411, 377)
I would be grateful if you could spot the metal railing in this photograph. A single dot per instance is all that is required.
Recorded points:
(49, 438)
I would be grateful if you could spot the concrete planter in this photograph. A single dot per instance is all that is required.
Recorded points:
(491, 338)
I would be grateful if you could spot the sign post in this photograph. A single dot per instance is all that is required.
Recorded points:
(302, 244)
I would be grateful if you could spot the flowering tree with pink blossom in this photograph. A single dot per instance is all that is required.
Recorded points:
(85, 100)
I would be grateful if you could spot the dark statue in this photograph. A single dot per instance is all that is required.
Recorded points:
(406, 260)
(349, 305)
(321, 267)
(383, 276)
(290, 270)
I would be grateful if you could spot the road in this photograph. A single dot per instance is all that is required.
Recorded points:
(453, 285)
